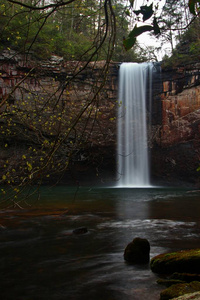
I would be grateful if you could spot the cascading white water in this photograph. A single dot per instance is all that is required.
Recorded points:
(133, 162)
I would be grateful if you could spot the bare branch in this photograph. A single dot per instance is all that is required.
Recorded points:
(56, 5)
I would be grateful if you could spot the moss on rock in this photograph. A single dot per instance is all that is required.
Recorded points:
(190, 296)
(187, 277)
(169, 282)
(177, 290)
(187, 261)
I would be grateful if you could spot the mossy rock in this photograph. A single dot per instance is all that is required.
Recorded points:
(187, 261)
(187, 277)
(177, 290)
(169, 282)
(190, 296)
(176, 278)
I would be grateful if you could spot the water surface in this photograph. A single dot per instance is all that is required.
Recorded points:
(42, 259)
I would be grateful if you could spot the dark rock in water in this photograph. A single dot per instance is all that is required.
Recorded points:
(187, 261)
(80, 230)
(137, 252)
(177, 290)
(2, 227)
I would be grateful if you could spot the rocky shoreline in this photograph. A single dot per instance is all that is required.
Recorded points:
(179, 271)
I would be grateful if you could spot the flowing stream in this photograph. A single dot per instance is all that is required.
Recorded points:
(41, 258)
(133, 162)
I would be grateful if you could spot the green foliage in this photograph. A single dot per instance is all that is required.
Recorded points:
(40, 128)
(193, 6)
(188, 49)
(69, 32)
(147, 12)
(131, 39)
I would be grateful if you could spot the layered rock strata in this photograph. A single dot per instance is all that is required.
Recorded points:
(176, 151)
(174, 134)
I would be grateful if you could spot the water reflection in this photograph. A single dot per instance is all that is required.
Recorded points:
(42, 258)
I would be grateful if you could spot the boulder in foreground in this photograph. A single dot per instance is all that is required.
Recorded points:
(137, 252)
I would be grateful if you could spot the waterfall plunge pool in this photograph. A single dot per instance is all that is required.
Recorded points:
(42, 259)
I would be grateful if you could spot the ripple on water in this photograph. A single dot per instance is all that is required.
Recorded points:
(155, 228)
(153, 223)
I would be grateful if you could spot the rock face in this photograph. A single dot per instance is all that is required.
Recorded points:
(94, 161)
(137, 252)
(174, 136)
(176, 141)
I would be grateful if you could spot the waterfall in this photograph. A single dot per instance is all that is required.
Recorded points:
(133, 162)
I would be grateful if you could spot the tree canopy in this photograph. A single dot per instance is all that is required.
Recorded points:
(72, 29)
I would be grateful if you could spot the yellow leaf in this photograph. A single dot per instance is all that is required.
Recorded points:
(29, 166)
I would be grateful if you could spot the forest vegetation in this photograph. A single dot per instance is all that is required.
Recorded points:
(68, 31)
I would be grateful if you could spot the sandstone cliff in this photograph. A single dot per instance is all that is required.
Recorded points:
(43, 82)
(176, 151)
(174, 137)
